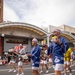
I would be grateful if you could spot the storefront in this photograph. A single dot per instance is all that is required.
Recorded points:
(12, 34)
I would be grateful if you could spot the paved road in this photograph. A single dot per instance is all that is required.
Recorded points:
(27, 70)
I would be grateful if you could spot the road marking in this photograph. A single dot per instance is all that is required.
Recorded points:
(54, 73)
(9, 69)
(62, 72)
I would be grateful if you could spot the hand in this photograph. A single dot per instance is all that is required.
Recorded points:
(28, 54)
(58, 41)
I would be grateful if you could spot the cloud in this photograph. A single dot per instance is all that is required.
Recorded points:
(44, 12)
(9, 14)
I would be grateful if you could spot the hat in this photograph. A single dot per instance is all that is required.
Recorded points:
(20, 44)
(35, 40)
(57, 30)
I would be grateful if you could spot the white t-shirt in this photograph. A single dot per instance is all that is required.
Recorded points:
(22, 51)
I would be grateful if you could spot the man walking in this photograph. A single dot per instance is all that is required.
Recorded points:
(57, 48)
(35, 56)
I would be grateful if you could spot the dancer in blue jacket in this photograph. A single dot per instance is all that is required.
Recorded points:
(57, 48)
(35, 57)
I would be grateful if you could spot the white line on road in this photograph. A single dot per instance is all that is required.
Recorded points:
(9, 69)
(54, 73)
(62, 72)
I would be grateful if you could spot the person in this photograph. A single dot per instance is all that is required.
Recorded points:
(12, 61)
(67, 57)
(35, 56)
(72, 56)
(57, 48)
(21, 54)
(20, 67)
(16, 50)
(44, 59)
(50, 61)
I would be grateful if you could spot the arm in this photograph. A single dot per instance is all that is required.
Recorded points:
(50, 49)
(66, 45)
(36, 53)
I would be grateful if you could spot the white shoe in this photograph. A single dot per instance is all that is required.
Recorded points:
(70, 74)
(41, 71)
(17, 74)
(10, 70)
(47, 71)
(64, 74)
(14, 71)
(66, 68)
(22, 74)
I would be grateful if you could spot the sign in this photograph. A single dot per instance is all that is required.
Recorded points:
(17, 41)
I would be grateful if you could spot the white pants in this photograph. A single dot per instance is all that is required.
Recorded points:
(67, 62)
(12, 61)
(20, 63)
(43, 62)
(35, 68)
(50, 60)
(58, 67)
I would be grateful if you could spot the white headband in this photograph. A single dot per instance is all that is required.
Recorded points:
(35, 40)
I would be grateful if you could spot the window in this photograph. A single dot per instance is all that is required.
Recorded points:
(17, 41)
(73, 34)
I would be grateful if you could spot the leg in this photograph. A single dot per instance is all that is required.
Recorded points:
(10, 66)
(69, 68)
(41, 68)
(22, 70)
(45, 63)
(57, 72)
(33, 72)
(19, 69)
(14, 66)
(37, 72)
(46, 66)
(58, 69)
(65, 67)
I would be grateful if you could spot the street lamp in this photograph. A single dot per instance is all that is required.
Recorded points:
(2, 35)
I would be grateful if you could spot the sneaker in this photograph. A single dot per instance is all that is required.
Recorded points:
(41, 71)
(17, 74)
(70, 74)
(22, 74)
(10, 70)
(47, 71)
(14, 71)
(64, 74)
(66, 68)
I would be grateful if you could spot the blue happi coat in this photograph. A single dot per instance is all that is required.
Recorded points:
(35, 55)
(58, 51)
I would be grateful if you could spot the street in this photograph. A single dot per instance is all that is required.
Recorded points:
(27, 70)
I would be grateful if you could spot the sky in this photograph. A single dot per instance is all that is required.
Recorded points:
(40, 12)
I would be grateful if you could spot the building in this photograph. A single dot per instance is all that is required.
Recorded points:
(14, 33)
(67, 31)
(1, 11)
